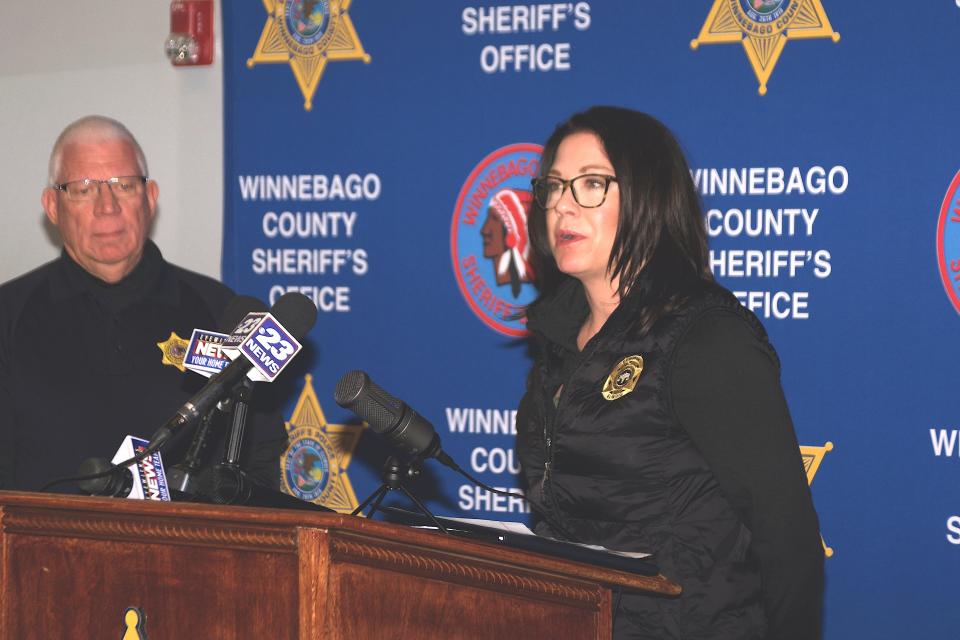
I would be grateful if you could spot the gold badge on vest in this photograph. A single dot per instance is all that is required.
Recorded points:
(623, 378)
(174, 351)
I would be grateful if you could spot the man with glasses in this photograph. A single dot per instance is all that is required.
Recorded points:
(80, 366)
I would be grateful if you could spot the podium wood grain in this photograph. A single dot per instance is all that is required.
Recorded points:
(71, 566)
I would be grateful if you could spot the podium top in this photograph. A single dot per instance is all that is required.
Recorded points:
(227, 526)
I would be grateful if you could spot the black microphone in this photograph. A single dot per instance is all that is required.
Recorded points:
(392, 418)
(182, 477)
(294, 311)
(409, 431)
(117, 484)
(236, 310)
(228, 484)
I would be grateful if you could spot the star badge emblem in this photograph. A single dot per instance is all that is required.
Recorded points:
(174, 350)
(763, 27)
(812, 458)
(314, 466)
(308, 34)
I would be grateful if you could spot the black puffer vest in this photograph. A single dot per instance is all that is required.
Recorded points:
(624, 474)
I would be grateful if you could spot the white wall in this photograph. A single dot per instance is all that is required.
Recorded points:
(63, 59)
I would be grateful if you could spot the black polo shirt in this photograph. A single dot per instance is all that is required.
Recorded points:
(80, 368)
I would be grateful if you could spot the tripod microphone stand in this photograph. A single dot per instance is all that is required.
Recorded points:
(394, 474)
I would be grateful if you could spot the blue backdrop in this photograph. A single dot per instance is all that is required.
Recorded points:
(364, 145)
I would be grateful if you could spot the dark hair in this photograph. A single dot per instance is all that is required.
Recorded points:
(660, 230)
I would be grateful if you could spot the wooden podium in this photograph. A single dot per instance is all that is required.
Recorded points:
(71, 566)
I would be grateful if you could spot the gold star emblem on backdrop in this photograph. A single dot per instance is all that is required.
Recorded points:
(308, 34)
(308, 427)
(812, 458)
(764, 30)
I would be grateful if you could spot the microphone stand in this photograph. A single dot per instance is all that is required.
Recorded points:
(395, 472)
(240, 400)
(183, 477)
(227, 483)
(223, 483)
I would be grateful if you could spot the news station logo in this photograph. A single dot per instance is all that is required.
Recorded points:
(205, 353)
(488, 237)
(270, 348)
(151, 482)
(763, 28)
(314, 465)
(948, 242)
(308, 35)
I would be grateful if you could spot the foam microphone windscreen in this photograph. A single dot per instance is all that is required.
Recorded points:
(296, 313)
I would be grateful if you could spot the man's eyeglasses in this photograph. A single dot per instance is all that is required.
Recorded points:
(89, 189)
(589, 190)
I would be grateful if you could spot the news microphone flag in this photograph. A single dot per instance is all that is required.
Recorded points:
(149, 478)
(262, 340)
(205, 353)
(243, 330)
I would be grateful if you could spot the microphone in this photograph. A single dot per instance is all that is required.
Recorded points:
(205, 354)
(117, 484)
(236, 310)
(390, 417)
(295, 313)
(228, 484)
(148, 482)
(410, 432)
(183, 476)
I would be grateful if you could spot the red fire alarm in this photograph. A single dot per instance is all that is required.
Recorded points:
(190, 42)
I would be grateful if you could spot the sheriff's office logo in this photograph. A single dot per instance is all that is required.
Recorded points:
(488, 237)
(948, 242)
(307, 467)
(812, 458)
(133, 623)
(174, 350)
(763, 27)
(308, 34)
(314, 466)
(623, 378)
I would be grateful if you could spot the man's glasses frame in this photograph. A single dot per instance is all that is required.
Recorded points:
(89, 189)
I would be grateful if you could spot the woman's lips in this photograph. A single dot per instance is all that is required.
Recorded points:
(565, 237)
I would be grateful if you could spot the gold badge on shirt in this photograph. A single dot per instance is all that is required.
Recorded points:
(623, 378)
(174, 351)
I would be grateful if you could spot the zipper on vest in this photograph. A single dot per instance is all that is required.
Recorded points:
(547, 457)
(545, 422)
(593, 345)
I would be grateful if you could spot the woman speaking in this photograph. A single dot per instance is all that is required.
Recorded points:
(654, 419)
